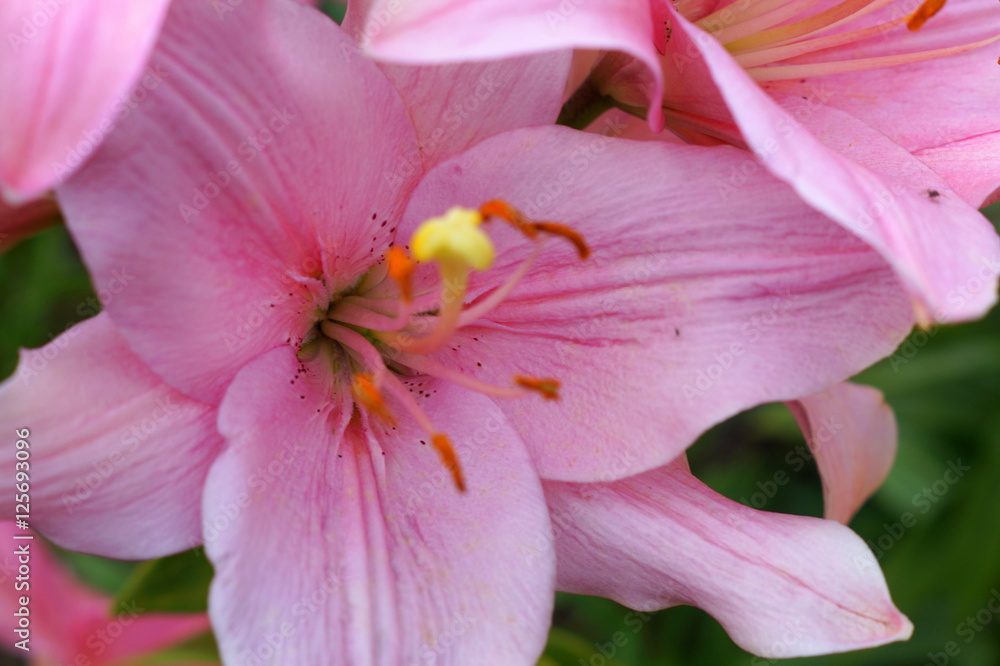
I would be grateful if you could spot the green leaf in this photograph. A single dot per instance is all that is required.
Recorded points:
(175, 584)
(200, 649)
(567, 649)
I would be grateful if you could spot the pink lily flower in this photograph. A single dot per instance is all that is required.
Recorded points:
(69, 623)
(367, 447)
(863, 146)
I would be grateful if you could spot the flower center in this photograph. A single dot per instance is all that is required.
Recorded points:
(766, 37)
(387, 338)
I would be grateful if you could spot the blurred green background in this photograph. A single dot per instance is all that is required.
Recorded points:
(945, 389)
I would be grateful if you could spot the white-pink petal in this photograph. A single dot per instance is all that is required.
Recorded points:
(852, 434)
(696, 303)
(336, 542)
(446, 31)
(782, 586)
(71, 623)
(240, 186)
(70, 71)
(117, 458)
(935, 254)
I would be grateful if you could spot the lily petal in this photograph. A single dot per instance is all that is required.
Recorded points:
(337, 543)
(206, 180)
(852, 434)
(710, 300)
(935, 254)
(71, 622)
(66, 76)
(925, 104)
(117, 458)
(442, 31)
(455, 106)
(782, 586)
(969, 166)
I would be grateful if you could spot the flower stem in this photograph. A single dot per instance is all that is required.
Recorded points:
(584, 106)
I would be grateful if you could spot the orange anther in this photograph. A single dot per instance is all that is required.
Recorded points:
(401, 269)
(503, 210)
(367, 394)
(450, 459)
(548, 387)
(569, 233)
(923, 13)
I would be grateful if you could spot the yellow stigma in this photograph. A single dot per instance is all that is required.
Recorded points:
(454, 238)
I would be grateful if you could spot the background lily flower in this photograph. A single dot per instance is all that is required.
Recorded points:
(66, 74)
(251, 217)
(701, 78)
(73, 624)
(73, 71)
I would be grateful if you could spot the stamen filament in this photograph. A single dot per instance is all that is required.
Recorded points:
(735, 15)
(434, 369)
(837, 15)
(439, 440)
(357, 345)
(782, 72)
(778, 13)
(455, 282)
(795, 49)
(498, 295)
(354, 342)
(349, 313)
